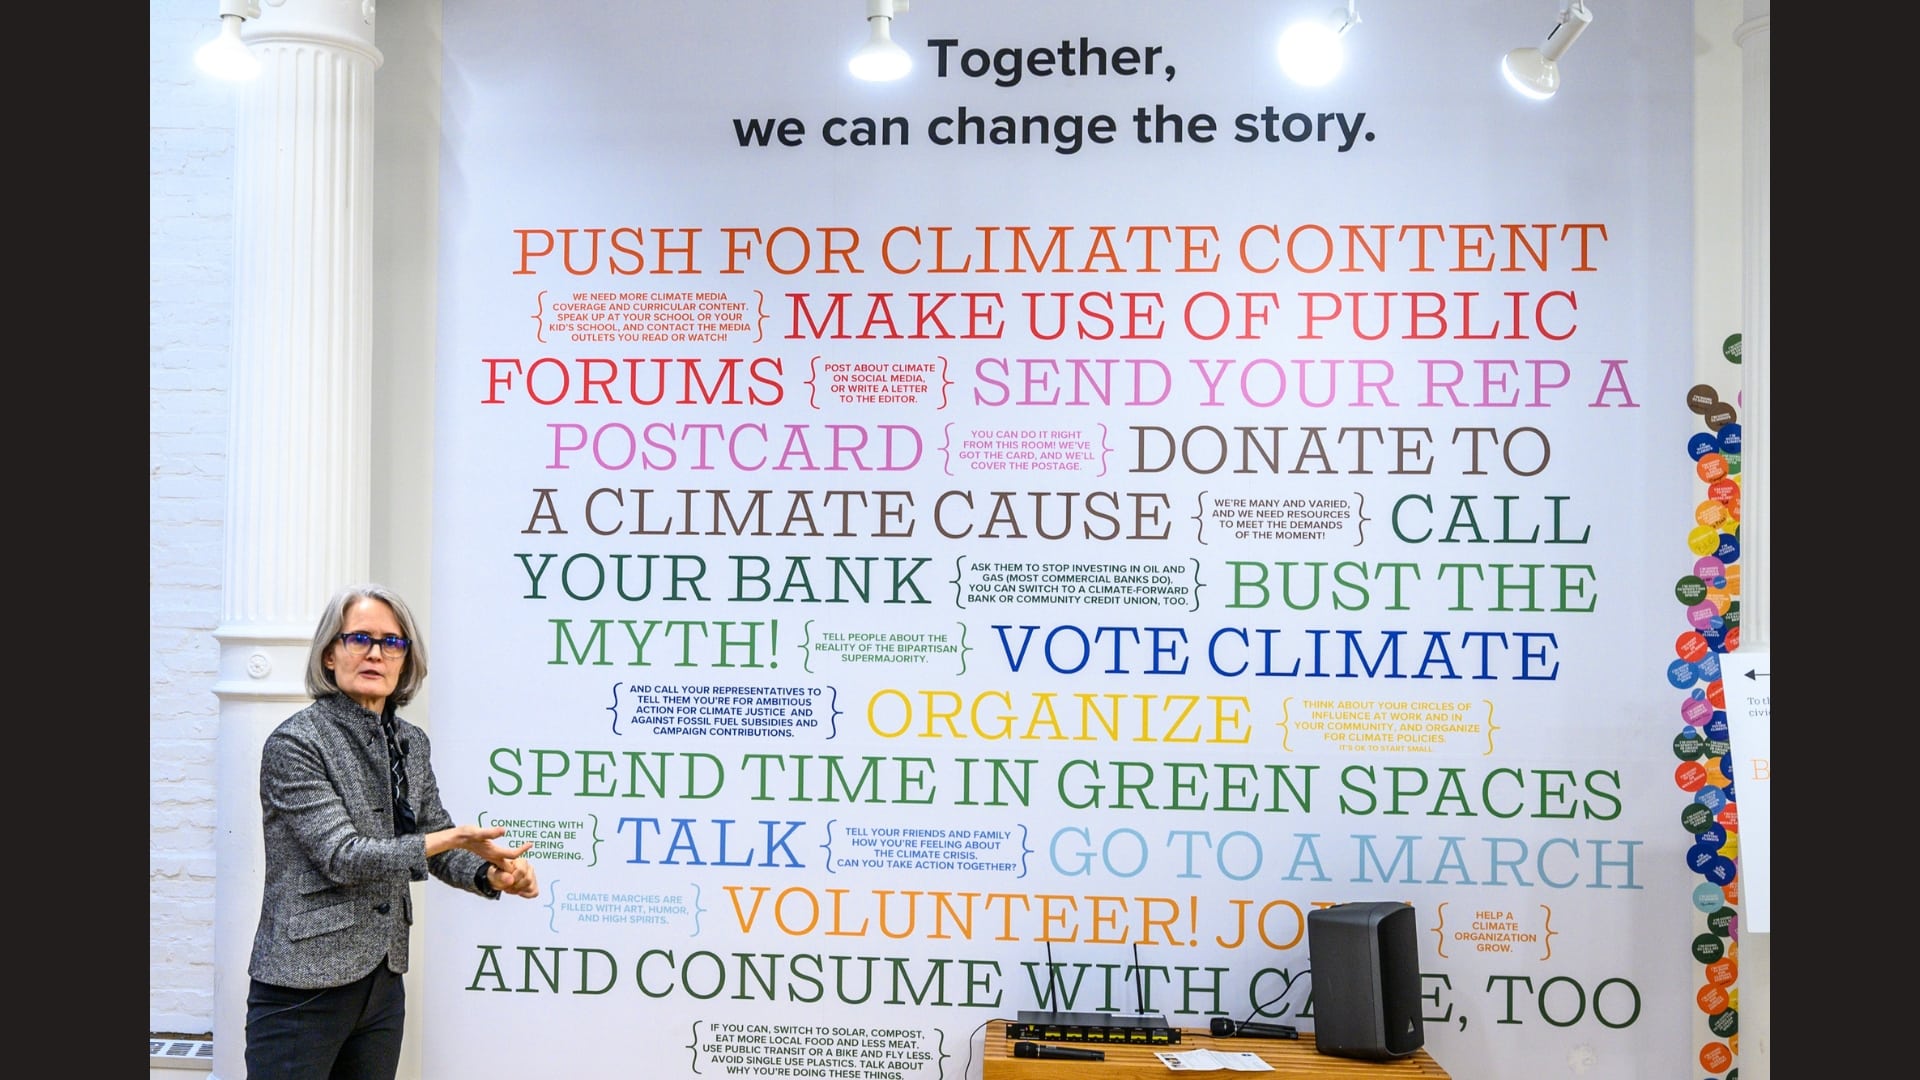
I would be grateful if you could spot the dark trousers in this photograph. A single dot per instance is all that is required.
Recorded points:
(349, 1032)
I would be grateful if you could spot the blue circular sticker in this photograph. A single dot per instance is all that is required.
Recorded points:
(1701, 444)
(1708, 897)
(1709, 667)
(1711, 798)
(1729, 549)
(1729, 438)
(1719, 871)
(1716, 728)
(1682, 674)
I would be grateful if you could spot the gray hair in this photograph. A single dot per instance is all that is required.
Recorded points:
(413, 670)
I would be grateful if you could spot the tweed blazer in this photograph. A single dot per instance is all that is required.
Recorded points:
(337, 898)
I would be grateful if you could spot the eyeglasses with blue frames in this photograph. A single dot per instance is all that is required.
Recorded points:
(357, 643)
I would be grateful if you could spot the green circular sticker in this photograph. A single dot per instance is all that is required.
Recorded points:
(1688, 745)
(1730, 348)
(1690, 590)
(1707, 948)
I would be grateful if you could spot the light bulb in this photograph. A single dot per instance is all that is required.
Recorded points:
(880, 59)
(1311, 53)
(1531, 73)
(226, 56)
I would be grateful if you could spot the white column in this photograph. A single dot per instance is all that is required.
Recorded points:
(1755, 38)
(299, 425)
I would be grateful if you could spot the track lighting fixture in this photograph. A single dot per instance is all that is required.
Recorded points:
(1310, 50)
(226, 56)
(1536, 72)
(880, 59)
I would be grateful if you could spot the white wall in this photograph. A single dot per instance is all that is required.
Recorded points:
(191, 233)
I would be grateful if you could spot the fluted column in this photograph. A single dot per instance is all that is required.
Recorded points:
(1755, 38)
(299, 418)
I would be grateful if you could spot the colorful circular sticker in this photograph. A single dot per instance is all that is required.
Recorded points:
(1690, 647)
(1703, 614)
(1688, 745)
(1719, 871)
(1690, 776)
(1680, 673)
(1709, 797)
(1711, 999)
(1721, 921)
(1703, 540)
(1702, 397)
(1696, 819)
(1730, 348)
(1720, 416)
(1711, 467)
(1729, 438)
(1729, 550)
(1696, 711)
(1709, 570)
(1724, 1023)
(1692, 589)
(1708, 947)
(1700, 444)
(1708, 897)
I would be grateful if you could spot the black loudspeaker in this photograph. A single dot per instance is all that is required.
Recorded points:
(1366, 980)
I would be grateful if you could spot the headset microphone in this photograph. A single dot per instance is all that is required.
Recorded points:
(1063, 1053)
(1224, 1027)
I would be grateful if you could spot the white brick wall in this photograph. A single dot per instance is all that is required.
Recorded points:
(191, 172)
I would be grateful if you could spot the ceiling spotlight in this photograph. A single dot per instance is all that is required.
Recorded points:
(1536, 72)
(1310, 50)
(880, 59)
(226, 56)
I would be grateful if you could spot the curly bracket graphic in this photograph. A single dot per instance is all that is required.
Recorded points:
(812, 374)
(828, 846)
(553, 896)
(833, 713)
(806, 646)
(1550, 930)
(946, 445)
(539, 317)
(959, 564)
(595, 833)
(615, 708)
(1196, 585)
(760, 307)
(1360, 519)
(940, 1045)
(1105, 450)
(1285, 731)
(964, 648)
(695, 1046)
(1440, 929)
(698, 910)
(944, 382)
(1024, 852)
(1491, 727)
(1200, 515)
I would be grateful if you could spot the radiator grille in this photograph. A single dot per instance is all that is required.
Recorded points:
(180, 1054)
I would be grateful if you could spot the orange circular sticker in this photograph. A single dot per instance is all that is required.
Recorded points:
(1711, 467)
(1711, 999)
(1715, 1057)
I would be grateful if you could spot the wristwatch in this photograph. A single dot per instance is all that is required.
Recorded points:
(480, 882)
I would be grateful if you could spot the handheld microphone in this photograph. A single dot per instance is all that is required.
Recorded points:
(1063, 1053)
(1224, 1027)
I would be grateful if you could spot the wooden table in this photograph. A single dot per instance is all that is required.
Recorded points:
(1289, 1058)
